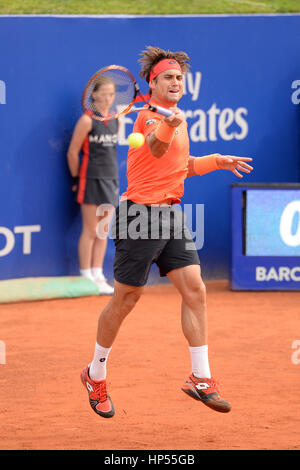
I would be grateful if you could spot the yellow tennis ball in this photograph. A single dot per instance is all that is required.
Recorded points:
(136, 139)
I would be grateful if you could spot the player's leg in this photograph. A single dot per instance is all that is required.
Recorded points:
(189, 283)
(180, 262)
(200, 385)
(122, 302)
(193, 313)
(93, 377)
(133, 260)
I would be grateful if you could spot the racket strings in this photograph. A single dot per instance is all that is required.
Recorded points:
(109, 93)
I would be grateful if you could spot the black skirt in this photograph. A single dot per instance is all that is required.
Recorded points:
(98, 191)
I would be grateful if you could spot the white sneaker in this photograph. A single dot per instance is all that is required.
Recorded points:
(104, 287)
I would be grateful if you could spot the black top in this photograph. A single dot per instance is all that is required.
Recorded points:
(99, 151)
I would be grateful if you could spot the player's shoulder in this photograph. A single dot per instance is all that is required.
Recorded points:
(147, 117)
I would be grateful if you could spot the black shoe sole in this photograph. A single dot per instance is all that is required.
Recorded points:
(207, 403)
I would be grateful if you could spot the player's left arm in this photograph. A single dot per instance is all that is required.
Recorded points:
(209, 163)
(159, 140)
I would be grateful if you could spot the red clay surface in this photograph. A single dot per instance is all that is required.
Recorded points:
(44, 405)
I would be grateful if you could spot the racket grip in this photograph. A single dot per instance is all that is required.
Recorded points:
(163, 111)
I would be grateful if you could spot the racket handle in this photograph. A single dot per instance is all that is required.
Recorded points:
(163, 111)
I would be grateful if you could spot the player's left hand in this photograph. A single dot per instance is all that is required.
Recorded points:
(234, 164)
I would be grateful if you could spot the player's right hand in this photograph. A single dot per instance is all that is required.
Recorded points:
(176, 118)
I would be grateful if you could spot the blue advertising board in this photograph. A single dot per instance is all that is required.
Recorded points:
(265, 237)
(241, 97)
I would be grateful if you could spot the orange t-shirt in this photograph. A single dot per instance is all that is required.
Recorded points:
(152, 180)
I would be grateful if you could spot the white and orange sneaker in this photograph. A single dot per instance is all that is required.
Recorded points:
(99, 400)
(206, 391)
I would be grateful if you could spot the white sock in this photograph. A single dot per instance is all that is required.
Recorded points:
(98, 366)
(97, 273)
(86, 273)
(200, 364)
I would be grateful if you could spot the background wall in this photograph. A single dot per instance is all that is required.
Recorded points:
(241, 97)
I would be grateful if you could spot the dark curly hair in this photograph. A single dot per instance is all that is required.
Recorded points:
(152, 55)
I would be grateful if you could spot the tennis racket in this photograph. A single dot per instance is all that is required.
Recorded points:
(113, 91)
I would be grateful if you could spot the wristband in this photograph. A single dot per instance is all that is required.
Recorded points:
(164, 133)
(75, 180)
(203, 165)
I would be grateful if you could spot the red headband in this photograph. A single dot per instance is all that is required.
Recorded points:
(163, 65)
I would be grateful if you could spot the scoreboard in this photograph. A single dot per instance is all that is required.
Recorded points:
(265, 237)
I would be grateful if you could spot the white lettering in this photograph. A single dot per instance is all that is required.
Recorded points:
(194, 85)
(260, 273)
(242, 123)
(123, 121)
(27, 230)
(105, 213)
(198, 234)
(205, 126)
(212, 125)
(296, 95)
(296, 354)
(10, 238)
(215, 123)
(294, 277)
(105, 139)
(137, 228)
(272, 275)
(2, 352)
(225, 121)
(198, 129)
(284, 274)
(10, 241)
(286, 222)
(115, 460)
(2, 92)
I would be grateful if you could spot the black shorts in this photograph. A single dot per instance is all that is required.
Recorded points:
(98, 191)
(144, 235)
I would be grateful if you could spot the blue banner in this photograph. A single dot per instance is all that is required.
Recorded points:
(265, 228)
(241, 97)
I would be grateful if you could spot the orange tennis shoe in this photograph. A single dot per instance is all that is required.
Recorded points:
(100, 401)
(206, 391)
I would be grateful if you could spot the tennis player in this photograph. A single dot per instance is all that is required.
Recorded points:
(156, 173)
(96, 180)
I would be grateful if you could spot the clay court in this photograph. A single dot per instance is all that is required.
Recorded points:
(44, 405)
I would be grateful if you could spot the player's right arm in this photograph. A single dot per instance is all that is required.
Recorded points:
(82, 128)
(160, 138)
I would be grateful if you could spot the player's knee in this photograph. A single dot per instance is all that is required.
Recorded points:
(131, 299)
(196, 294)
(128, 302)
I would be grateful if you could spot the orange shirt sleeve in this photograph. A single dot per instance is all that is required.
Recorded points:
(146, 122)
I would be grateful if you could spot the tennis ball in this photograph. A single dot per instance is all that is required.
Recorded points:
(136, 139)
